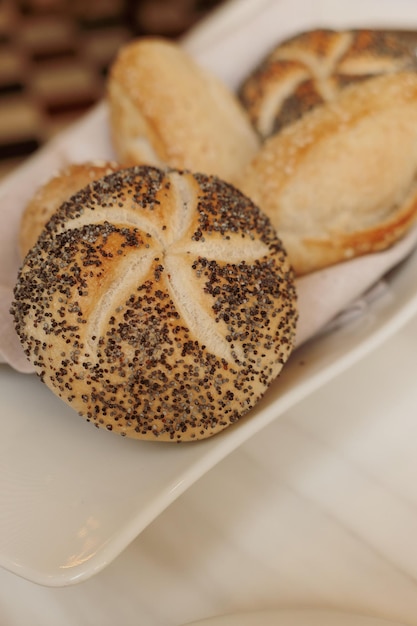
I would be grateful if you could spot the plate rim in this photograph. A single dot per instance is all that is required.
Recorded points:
(348, 618)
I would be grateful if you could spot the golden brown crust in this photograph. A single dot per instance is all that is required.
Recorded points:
(159, 305)
(52, 194)
(314, 67)
(342, 181)
(165, 110)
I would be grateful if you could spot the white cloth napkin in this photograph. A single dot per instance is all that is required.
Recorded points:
(333, 296)
(322, 295)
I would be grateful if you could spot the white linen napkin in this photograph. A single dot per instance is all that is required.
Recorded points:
(331, 297)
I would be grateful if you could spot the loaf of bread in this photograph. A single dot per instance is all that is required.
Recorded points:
(314, 67)
(159, 305)
(341, 182)
(49, 197)
(165, 110)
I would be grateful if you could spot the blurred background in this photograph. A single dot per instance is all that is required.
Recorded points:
(55, 54)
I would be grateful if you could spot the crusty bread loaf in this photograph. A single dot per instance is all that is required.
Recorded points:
(341, 182)
(314, 67)
(165, 110)
(159, 305)
(52, 194)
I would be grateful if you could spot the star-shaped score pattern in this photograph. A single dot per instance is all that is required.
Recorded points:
(311, 69)
(173, 247)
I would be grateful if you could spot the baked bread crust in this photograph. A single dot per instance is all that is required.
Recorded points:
(165, 110)
(52, 194)
(313, 68)
(341, 182)
(159, 305)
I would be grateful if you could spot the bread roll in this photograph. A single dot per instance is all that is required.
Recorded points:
(159, 305)
(314, 67)
(165, 110)
(52, 194)
(341, 182)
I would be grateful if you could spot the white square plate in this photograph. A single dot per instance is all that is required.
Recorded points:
(72, 497)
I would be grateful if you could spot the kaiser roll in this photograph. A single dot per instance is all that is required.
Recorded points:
(166, 110)
(341, 182)
(312, 68)
(159, 305)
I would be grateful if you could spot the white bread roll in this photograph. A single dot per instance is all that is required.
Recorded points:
(341, 182)
(49, 197)
(312, 68)
(159, 305)
(165, 110)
